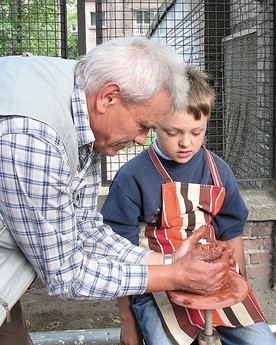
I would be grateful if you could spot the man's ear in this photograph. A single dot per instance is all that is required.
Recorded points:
(108, 95)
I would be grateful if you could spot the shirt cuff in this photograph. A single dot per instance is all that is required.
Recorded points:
(168, 259)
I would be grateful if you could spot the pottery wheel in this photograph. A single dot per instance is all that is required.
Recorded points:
(234, 292)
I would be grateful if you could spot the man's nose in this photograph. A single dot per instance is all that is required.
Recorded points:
(141, 138)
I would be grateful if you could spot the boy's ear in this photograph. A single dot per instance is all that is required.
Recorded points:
(108, 95)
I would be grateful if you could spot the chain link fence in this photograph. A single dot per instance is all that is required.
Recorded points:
(232, 40)
(34, 26)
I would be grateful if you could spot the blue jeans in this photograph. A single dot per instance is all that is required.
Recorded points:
(154, 333)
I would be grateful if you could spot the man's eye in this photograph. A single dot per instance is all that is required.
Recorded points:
(143, 129)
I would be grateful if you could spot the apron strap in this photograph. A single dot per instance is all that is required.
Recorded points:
(212, 165)
(158, 165)
(213, 168)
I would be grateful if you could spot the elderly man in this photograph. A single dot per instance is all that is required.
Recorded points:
(57, 118)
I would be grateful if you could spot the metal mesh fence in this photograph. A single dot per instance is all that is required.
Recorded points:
(232, 41)
(33, 26)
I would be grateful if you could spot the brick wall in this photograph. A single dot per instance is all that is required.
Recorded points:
(259, 239)
(259, 248)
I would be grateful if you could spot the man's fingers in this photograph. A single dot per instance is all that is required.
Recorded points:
(210, 254)
(202, 232)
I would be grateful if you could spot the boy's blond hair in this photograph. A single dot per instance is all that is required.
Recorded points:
(201, 95)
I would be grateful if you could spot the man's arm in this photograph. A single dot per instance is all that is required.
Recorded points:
(74, 253)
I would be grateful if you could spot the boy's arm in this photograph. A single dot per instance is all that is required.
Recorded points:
(237, 244)
(130, 331)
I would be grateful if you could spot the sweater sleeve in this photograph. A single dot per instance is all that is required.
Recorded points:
(121, 211)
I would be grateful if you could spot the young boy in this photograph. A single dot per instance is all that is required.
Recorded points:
(158, 199)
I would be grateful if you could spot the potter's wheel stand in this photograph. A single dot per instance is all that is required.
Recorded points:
(234, 292)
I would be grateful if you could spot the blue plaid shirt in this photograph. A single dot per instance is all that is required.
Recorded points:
(57, 224)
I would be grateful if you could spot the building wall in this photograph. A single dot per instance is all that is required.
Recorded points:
(247, 67)
(259, 239)
(90, 30)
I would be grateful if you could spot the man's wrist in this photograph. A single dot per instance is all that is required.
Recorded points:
(168, 259)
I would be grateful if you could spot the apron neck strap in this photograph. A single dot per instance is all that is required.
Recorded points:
(158, 165)
(213, 169)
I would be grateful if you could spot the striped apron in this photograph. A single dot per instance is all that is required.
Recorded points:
(186, 207)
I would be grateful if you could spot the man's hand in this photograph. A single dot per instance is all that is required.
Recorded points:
(206, 265)
(191, 242)
(197, 268)
(201, 271)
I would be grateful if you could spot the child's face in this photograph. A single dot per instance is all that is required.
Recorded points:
(180, 136)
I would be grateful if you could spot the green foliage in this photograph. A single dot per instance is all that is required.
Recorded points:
(72, 24)
(72, 44)
(29, 26)
(34, 26)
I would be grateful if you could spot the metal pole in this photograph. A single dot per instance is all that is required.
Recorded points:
(63, 29)
(99, 22)
(78, 337)
(208, 322)
(209, 336)
(81, 27)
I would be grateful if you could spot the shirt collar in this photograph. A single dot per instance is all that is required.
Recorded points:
(81, 117)
(159, 152)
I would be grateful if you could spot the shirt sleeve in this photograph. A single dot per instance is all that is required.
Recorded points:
(60, 232)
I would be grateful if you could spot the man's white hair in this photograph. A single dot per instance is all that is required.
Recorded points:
(140, 66)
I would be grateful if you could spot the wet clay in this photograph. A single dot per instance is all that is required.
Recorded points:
(235, 291)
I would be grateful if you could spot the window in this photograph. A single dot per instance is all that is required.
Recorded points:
(93, 18)
(101, 18)
(142, 17)
(146, 17)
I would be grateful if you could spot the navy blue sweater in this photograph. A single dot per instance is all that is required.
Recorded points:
(135, 195)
